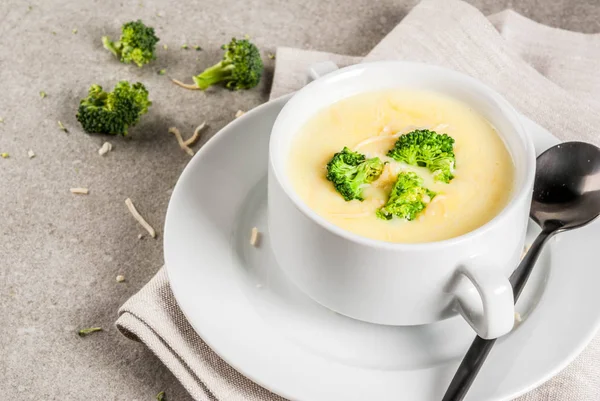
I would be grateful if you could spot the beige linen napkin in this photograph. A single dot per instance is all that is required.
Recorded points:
(550, 75)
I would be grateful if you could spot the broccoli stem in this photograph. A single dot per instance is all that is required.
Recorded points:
(362, 175)
(184, 85)
(212, 75)
(110, 46)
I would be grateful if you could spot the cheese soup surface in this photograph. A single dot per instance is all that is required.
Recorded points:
(370, 123)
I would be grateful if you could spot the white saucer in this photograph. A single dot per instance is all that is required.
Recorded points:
(248, 312)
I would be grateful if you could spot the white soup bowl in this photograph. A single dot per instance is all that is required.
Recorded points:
(395, 283)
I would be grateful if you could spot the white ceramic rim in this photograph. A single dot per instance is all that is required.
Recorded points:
(505, 109)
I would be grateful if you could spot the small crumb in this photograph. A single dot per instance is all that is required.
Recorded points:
(53, 32)
(62, 127)
(247, 37)
(136, 215)
(120, 278)
(1, 120)
(161, 396)
(162, 72)
(30, 154)
(29, 8)
(184, 47)
(197, 48)
(254, 237)
(4, 155)
(85, 332)
(74, 30)
(43, 94)
(106, 147)
(271, 56)
(140, 236)
(239, 113)
(80, 191)
(165, 47)
(158, 15)
(518, 318)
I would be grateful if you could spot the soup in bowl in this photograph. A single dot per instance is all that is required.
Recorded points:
(370, 124)
(399, 194)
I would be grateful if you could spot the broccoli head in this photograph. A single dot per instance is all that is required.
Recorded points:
(349, 171)
(113, 112)
(240, 68)
(136, 45)
(427, 149)
(407, 199)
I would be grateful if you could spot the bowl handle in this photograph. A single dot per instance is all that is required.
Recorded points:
(317, 70)
(485, 300)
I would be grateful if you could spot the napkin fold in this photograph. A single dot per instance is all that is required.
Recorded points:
(550, 75)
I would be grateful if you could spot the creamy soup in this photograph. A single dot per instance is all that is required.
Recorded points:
(370, 123)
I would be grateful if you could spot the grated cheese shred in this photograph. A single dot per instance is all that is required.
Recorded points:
(182, 144)
(136, 215)
(80, 191)
(194, 138)
(254, 237)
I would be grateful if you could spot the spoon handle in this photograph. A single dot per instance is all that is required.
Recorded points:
(480, 348)
(519, 277)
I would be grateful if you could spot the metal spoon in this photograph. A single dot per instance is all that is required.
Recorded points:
(566, 195)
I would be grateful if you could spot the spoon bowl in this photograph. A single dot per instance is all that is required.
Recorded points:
(566, 192)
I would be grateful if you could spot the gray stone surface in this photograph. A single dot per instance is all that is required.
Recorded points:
(60, 253)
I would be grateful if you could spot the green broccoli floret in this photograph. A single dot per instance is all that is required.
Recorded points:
(407, 199)
(113, 112)
(240, 68)
(427, 149)
(136, 44)
(349, 171)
